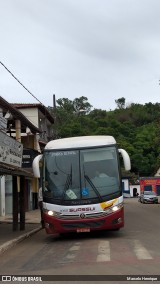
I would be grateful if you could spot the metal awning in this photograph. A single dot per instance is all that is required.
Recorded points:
(6, 169)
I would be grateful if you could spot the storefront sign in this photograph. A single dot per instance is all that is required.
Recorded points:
(3, 123)
(10, 151)
(28, 156)
(149, 183)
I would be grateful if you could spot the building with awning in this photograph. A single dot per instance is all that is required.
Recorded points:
(17, 135)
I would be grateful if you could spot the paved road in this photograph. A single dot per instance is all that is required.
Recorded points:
(134, 250)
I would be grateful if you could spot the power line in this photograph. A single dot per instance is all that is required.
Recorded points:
(20, 83)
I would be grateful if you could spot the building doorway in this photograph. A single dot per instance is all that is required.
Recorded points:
(134, 192)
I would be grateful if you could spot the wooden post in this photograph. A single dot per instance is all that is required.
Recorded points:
(15, 204)
(22, 183)
(22, 203)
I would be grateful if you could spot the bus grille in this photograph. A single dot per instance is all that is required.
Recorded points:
(83, 225)
(87, 216)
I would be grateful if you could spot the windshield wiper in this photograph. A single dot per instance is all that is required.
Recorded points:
(67, 183)
(94, 188)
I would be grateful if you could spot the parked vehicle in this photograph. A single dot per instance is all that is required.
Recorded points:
(148, 197)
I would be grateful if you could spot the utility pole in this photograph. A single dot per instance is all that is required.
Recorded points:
(54, 101)
(54, 113)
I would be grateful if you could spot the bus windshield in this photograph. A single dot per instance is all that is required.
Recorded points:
(79, 175)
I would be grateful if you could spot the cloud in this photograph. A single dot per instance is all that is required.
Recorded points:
(100, 49)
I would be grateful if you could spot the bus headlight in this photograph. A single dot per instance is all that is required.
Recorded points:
(50, 213)
(114, 208)
(117, 207)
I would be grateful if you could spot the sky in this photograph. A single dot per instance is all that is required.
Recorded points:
(100, 49)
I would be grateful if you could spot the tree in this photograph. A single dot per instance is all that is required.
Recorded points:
(120, 103)
(82, 105)
(66, 105)
(135, 128)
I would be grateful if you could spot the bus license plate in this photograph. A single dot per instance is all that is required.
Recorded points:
(82, 230)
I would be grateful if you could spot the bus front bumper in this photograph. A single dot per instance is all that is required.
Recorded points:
(113, 221)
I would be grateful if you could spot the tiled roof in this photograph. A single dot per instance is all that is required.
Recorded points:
(41, 107)
(18, 115)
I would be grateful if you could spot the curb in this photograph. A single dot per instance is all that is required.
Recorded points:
(17, 240)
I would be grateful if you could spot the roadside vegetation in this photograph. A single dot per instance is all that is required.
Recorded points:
(135, 127)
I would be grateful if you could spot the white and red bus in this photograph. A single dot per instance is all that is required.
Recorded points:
(81, 183)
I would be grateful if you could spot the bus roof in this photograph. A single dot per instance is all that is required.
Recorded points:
(80, 142)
